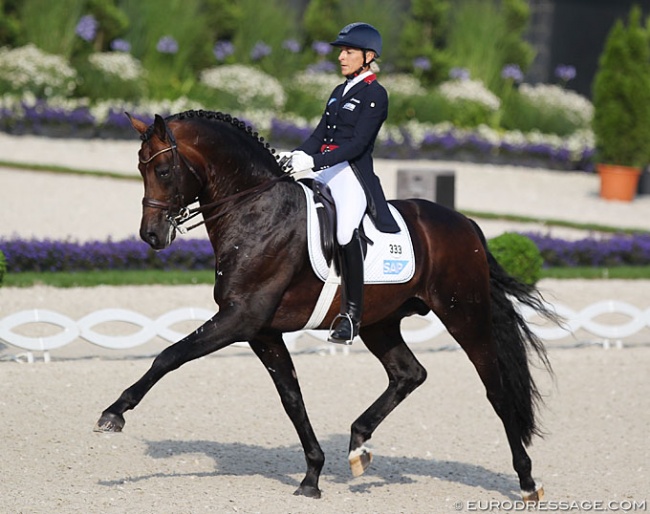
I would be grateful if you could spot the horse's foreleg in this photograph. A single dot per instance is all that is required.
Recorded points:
(213, 335)
(274, 355)
(405, 374)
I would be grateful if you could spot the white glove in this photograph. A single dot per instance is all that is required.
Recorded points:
(300, 161)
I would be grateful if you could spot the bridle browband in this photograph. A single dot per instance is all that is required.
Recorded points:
(177, 212)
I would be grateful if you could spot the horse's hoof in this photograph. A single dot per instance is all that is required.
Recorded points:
(534, 496)
(110, 422)
(308, 491)
(359, 460)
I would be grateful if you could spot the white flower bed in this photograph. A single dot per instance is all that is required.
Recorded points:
(469, 90)
(245, 82)
(101, 109)
(119, 64)
(28, 67)
(418, 133)
(317, 84)
(402, 83)
(578, 108)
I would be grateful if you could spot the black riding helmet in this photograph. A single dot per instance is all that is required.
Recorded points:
(362, 36)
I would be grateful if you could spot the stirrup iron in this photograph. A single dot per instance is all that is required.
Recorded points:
(347, 342)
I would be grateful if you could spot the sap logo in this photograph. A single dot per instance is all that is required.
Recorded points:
(394, 267)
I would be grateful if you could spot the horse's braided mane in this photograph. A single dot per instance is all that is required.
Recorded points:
(218, 116)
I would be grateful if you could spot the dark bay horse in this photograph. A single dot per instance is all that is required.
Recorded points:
(255, 216)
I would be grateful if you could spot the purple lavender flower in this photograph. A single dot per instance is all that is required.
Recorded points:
(87, 27)
(292, 45)
(288, 132)
(49, 255)
(120, 45)
(459, 73)
(195, 254)
(616, 250)
(565, 72)
(422, 63)
(167, 45)
(223, 49)
(260, 50)
(512, 72)
(321, 47)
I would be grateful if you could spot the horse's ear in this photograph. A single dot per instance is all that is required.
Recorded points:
(159, 127)
(138, 125)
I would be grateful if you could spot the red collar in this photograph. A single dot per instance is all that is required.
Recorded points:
(370, 79)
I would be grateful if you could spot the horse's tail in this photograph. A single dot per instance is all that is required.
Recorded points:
(516, 343)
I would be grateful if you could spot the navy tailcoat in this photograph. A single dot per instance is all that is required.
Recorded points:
(349, 126)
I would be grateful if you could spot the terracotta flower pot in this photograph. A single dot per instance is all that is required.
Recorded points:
(618, 182)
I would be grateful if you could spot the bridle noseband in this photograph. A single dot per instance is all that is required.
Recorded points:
(177, 211)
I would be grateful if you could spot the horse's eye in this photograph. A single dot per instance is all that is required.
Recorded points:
(162, 171)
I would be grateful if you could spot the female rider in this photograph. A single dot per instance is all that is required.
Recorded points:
(340, 153)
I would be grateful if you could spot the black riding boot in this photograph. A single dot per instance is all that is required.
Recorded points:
(348, 322)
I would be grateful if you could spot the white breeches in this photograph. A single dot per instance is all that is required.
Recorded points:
(349, 199)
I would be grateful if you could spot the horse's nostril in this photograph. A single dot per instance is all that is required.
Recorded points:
(152, 239)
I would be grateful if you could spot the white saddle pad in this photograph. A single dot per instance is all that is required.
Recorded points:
(389, 260)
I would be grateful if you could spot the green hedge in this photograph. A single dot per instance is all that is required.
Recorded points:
(518, 255)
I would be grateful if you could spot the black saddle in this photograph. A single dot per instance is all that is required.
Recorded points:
(326, 213)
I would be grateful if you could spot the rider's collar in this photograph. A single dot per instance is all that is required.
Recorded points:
(367, 76)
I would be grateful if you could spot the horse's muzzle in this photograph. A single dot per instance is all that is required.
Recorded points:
(159, 236)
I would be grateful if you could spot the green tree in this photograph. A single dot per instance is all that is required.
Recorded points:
(322, 20)
(113, 22)
(50, 25)
(9, 22)
(170, 73)
(621, 92)
(486, 35)
(516, 50)
(260, 40)
(223, 17)
(423, 40)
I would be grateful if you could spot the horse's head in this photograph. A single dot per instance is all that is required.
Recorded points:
(171, 182)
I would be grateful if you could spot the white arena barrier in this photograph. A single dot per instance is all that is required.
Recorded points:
(71, 330)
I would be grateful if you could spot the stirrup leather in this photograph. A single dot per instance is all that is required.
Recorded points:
(346, 342)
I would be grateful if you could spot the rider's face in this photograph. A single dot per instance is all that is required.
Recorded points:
(351, 59)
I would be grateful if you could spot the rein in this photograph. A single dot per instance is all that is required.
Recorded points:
(186, 214)
(183, 214)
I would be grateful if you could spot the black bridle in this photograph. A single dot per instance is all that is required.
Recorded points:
(177, 211)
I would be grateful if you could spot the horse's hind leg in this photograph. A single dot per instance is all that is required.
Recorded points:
(488, 370)
(271, 350)
(405, 374)
(505, 396)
